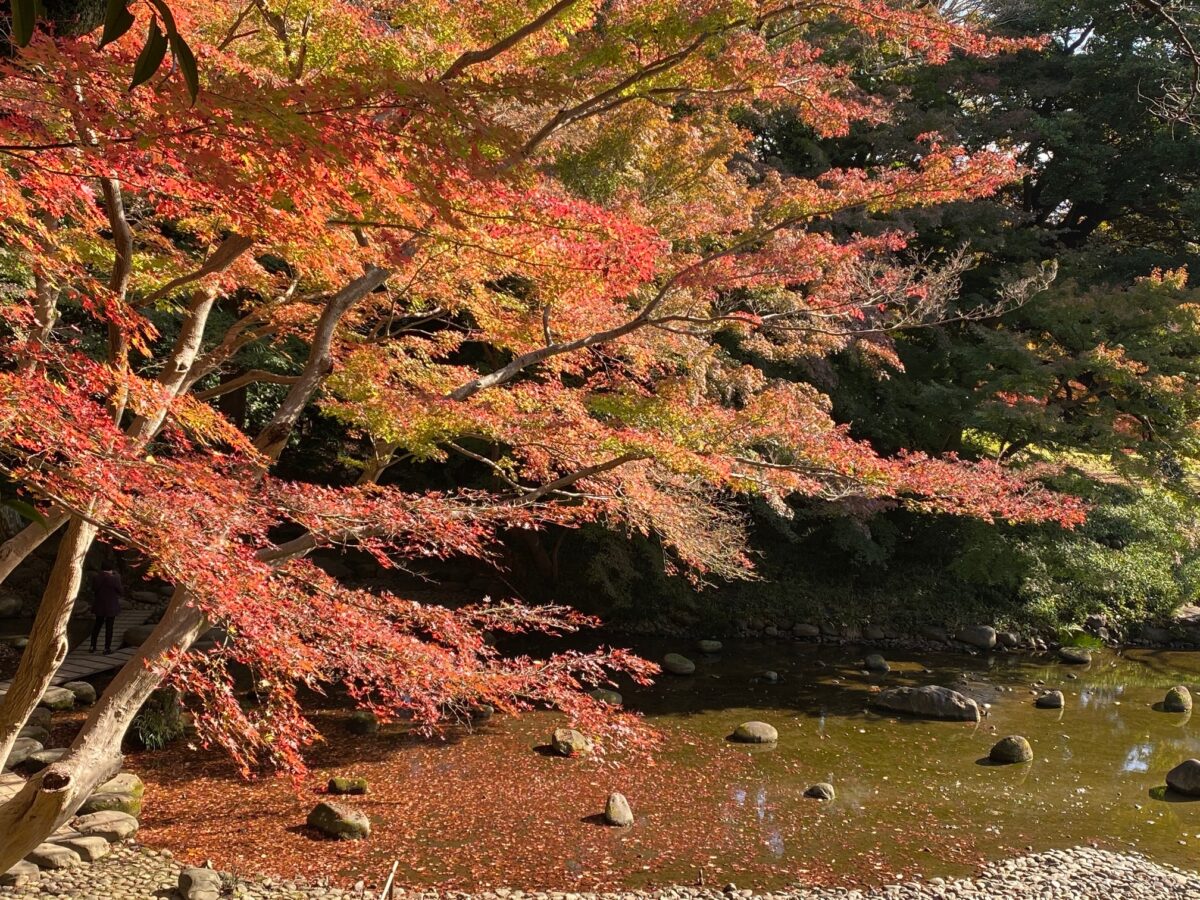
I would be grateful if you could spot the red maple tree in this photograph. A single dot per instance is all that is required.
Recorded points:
(525, 228)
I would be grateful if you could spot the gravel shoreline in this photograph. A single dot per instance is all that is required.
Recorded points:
(1082, 873)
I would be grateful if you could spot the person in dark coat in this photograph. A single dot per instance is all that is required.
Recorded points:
(106, 603)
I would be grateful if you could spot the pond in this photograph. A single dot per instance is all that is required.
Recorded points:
(912, 796)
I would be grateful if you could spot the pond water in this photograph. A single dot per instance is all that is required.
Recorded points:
(912, 796)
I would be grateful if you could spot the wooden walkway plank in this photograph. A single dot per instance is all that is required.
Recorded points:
(82, 662)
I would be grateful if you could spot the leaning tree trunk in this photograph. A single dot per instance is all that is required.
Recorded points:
(48, 643)
(17, 548)
(52, 796)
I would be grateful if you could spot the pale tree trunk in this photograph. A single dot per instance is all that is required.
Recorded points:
(51, 797)
(48, 644)
(14, 551)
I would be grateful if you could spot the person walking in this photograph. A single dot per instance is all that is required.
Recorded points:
(106, 603)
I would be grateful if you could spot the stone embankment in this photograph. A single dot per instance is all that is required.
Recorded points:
(133, 873)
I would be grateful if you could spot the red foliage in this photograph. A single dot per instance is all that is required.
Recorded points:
(462, 155)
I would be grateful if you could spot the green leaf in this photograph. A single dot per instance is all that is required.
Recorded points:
(186, 61)
(26, 510)
(24, 13)
(151, 56)
(117, 20)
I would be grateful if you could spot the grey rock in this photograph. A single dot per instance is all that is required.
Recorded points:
(874, 633)
(37, 733)
(199, 884)
(22, 749)
(569, 742)
(617, 811)
(1155, 635)
(709, 646)
(1178, 699)
(1011, 749)
(929, 701)
(339, 820)
(876, 663)
(755, 733)
(604, 695)
(771, 631)
(124, 783)
(767, 676)
(981, 636)
(806, 630)
(35, 762)
(822, 791)
(111, 825)
(678, 664)
(41, 717)
(1076, 656)
(85, 694)
(58, 698)
(1185, 778)
(90, 847)
(1049, 700)
(1008, 639)
(53, 856)
(23, 873)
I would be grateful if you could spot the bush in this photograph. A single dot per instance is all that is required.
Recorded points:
(160, 720)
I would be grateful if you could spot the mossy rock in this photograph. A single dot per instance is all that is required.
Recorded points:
(347, 784)
(1178, 699)
(340, 821)
(104, 802)
(1012, 749)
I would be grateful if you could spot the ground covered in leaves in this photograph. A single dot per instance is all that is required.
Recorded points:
(492, 808)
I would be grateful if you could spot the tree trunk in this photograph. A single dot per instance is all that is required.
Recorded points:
(14, 551)
(51, 797)
(48, 643)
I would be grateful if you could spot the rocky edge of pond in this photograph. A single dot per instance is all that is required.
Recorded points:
(1080, 873)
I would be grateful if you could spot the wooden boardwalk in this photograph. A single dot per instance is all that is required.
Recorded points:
(82, 662)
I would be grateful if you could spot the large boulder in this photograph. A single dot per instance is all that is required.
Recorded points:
(338, 820)
(89, 847)
(1012, 749)
(85, 694)
(1008, 639)
(120, 794)
(677, 664)
(58, 698)
(1178, 699)
(199, 884)
(928, 702)
(569, 742)
(53, 856)
(617, 811)
(22, 749)
(755, 733)
(109, 824)
(981, 636)
(1076, 656)
(1185, 778)
(23, 873)
(1049, 700)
